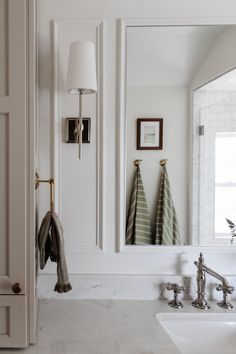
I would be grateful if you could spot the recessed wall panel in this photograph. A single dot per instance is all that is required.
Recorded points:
(79, 182)
(3, 47)
(4, 320)
(3, 193)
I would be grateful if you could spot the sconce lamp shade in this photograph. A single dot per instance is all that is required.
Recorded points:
(81, 72)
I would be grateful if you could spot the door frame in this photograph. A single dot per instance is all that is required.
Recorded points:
(32, 151)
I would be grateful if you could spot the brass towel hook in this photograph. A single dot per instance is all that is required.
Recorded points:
(137, 162)
(163, 162)
(52, 184)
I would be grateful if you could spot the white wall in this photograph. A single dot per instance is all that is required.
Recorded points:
(171, 104)
(108, 261)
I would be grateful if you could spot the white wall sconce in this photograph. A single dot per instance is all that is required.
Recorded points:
(81, 79)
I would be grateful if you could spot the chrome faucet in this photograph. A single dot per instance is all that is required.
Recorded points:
(201, 302)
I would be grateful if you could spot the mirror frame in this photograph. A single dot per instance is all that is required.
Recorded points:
(123, 24)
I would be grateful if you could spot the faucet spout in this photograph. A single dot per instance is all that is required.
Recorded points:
(202, 270)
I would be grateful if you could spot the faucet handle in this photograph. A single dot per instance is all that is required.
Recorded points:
(226, 290)
(175, 287)
(177, 290)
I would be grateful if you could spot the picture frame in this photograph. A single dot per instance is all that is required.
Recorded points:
(149, 133)
(70, 127)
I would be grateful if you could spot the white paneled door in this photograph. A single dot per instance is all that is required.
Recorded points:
(14, 165)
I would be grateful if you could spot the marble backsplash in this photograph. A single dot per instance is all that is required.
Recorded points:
(129, 287)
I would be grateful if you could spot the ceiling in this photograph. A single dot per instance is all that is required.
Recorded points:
(167, 56)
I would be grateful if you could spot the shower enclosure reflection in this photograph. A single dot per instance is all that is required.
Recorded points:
(214, 116)
(184, 75)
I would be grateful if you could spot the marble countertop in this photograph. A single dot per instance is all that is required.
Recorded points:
(105, 327)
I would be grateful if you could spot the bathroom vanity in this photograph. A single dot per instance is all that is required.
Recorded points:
(134, 327)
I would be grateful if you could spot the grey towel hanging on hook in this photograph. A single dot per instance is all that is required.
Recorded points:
(138, 229)
(51, 244)
(167, 227)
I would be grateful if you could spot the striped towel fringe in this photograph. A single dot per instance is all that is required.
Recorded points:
(167, 228)
(138, 227)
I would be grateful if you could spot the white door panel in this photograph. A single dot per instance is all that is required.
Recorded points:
(13, 148)
(13, 171)
(13, 321)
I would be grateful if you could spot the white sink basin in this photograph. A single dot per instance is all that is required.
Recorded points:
(201, 332)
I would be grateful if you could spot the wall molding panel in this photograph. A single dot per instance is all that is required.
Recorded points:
(81, 200)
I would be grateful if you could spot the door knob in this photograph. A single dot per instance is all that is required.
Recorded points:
(16, 288)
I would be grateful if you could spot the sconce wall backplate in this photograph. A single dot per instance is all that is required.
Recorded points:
(70, 127)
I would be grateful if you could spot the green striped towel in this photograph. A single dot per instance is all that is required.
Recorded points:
(138, 229)
(167, 228)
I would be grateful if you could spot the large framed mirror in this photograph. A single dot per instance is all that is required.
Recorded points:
(183, 74)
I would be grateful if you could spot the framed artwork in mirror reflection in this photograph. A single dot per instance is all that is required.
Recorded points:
(149, 133)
